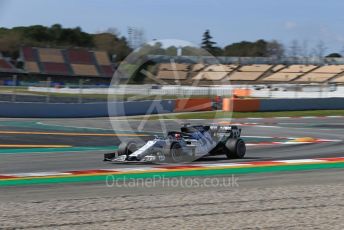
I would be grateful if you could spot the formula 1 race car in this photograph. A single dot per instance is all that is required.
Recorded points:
(189, 144)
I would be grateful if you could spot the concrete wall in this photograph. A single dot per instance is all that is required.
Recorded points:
(60, 110)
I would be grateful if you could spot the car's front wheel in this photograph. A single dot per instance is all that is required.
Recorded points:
(176, 152)
(127, 148)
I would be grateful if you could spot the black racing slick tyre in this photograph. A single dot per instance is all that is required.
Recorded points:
(127, 148)
(235, 148)
(174, 152)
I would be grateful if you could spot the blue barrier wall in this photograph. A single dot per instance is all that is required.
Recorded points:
(301, 104)
(64, 110)
(141, 107)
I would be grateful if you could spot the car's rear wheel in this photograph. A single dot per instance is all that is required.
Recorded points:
(235, 148)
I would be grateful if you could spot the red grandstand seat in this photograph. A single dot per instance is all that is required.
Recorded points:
(55, 68)
(28, 53)
(5, 65)
(79, 56)
(106, 71)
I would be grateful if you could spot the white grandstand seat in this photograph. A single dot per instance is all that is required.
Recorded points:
(173, 66)
(210, 76)
(282, 77)
(199, 76)
(329, 69)
(220, 68)
(338, 80)
(215, 72)
(255, 68)
(245, 76)
(197, 67)
(316, 77)
(298, 68)
(172, 75)
(277, 68)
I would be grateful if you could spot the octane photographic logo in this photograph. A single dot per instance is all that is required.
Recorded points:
(150, 90)
(173, 182)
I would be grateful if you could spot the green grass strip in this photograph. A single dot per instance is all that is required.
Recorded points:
(208, 172)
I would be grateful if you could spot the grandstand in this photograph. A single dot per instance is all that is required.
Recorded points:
(245, 76)
(6, 66)
(70, 65)
(250, 73)
(282, 73)
(340, 79)
(172, 71)
(322, 74)
(215, 72)
(282, 77)
(66, 62)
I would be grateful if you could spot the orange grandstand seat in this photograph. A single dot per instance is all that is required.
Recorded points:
(31, 67)
(85, 70)
(50, 55)
(102, 58)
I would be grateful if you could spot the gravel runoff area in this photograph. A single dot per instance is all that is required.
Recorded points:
(311, 200)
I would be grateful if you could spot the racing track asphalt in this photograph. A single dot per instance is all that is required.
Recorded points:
(293, 200)
(324, 128)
